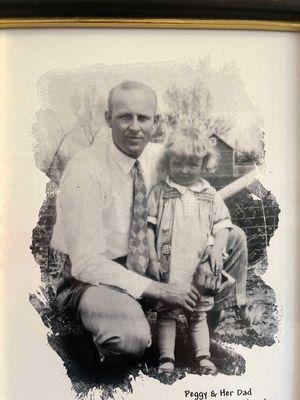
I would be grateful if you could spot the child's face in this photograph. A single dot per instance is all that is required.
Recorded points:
(185, 170)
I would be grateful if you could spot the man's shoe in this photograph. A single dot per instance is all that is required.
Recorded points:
(243, 314)
(214, 318)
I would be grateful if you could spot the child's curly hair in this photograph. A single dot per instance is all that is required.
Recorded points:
(186, 143)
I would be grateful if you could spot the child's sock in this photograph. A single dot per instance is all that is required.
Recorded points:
(199, 334)
(166, 341)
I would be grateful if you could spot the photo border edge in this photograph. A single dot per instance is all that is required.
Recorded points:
(151, 23)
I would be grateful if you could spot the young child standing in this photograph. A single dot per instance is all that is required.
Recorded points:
(188, 223)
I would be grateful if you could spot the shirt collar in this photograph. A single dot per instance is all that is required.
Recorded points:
(197, 187)
(125, 162)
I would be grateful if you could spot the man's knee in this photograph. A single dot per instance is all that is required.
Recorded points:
(116, 321)
(237, 260)
(134, 342)
(128, 341)
(241, 235)
(237, 238)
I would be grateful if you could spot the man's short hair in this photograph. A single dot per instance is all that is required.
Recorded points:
(129, 85)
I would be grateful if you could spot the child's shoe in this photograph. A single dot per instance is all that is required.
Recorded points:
(206, 366)
(166, 365)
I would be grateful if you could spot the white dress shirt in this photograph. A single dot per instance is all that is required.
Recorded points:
(94, 211)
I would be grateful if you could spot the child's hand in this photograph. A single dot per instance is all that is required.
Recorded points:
(153, 270)
(215, 259)
(207, 282)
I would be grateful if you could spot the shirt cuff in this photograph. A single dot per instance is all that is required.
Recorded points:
(225, 224)
(138, 285)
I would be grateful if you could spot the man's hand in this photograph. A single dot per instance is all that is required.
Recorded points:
(153, 270)
(174, 295)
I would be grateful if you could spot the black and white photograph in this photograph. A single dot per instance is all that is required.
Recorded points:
(150, 178)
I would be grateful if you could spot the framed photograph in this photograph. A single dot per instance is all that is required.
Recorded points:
(149, 206)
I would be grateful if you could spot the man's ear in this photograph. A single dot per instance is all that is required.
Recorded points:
(107, 116)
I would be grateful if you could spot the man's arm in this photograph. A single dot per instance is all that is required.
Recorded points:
(183, 295)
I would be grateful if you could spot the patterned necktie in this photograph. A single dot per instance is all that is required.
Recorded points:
(138, 253)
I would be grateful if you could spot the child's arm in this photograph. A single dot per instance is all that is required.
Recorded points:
(215, 252)
(153, 203)
(151, 243)
(220, 230)
(208, 273)
(154, 265)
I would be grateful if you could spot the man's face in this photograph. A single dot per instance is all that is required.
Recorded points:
(132, 119)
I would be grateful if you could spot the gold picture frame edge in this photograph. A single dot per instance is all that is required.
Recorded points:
(170, 23)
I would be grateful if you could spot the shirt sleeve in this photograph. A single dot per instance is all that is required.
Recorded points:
(221, 215)
(152, 202)
(80, 206)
